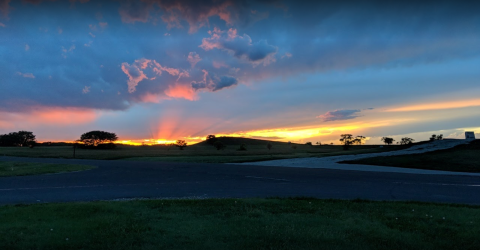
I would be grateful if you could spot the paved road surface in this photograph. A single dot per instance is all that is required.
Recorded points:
(128, 179)
(332, 162)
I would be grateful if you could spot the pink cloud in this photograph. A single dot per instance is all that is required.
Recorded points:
(193, 58)
(46, 116)
(195, 13)
(181, 91)
(136, 72)
(2, 25)
(135, 75)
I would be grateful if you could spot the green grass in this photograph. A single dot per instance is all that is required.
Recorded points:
(8, 168)
(462, 158)
(240, 224)
(195, 153)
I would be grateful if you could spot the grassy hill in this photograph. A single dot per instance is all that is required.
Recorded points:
(256, 150)
(247, 141)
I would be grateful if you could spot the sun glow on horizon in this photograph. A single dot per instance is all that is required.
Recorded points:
(437, 106)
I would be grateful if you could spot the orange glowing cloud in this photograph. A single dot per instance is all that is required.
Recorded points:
(438, 105)
(47, 116)
(152, 98)
(181, 91)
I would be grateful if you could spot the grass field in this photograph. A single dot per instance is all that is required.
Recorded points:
(462, 158)
(8, 168)
(202, 152)
(240, 224)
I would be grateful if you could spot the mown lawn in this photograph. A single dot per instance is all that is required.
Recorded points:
(462, 158)
(8, 168)
(240, 224)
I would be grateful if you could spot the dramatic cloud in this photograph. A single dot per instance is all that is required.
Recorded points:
(196, 13)
(397, 56)
(342, 114)
(135, 75)
(181, 91)
(214, 83)
(174, 13)
(240, 46)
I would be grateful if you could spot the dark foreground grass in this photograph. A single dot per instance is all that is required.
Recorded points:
(462, 158)
(8, 168)
(240, 224)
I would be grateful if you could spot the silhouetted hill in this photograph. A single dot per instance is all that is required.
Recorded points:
(240, 140)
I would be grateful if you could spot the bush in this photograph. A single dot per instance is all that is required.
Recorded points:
(211, 139)
(181, 144)
(242, 147)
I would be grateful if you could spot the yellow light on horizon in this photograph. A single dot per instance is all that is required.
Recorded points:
(437, 106)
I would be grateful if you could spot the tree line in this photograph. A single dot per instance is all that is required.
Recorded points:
(101, 139)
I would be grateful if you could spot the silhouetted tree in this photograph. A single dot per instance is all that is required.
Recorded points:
(319, 143)
(18, 139)
(347, 140)
(96, 137)
(181, 144)
(308, 143)
(269, 146)
(436, 137)
(211, 139)
(406, 140)
(388, 140)
(359, 140)
(219, 145)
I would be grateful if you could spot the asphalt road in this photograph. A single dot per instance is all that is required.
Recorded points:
(129, 179)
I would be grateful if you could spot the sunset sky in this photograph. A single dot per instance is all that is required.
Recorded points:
(283, 70)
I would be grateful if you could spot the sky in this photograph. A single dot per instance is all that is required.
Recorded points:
(299, 71)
